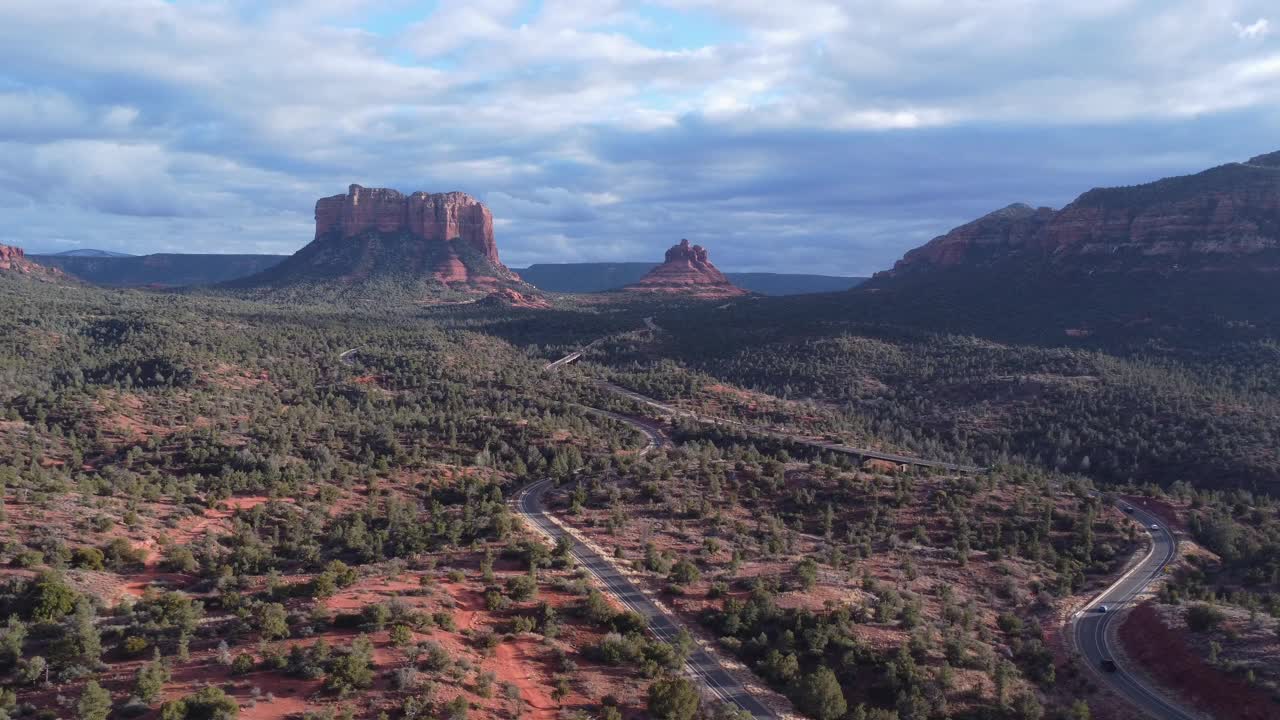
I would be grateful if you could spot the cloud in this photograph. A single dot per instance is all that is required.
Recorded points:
(808, 135)
(1256, 30)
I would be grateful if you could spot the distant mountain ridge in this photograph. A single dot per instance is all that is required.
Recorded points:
(89, 252)
(601, 277)
(161, 269)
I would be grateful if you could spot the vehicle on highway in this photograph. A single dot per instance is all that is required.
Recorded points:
(1100, 609)
(1155, 526)
(1109, 665)
(1128, 508)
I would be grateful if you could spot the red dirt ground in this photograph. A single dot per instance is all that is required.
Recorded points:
(511, 663)
(1166, 656)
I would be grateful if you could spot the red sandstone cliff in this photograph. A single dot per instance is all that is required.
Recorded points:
(438, 217)
(1225, 218)
(379, 234)
(990, 237)
(14, 261)
(687, 270)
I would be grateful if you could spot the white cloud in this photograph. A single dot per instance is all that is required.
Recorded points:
(580, 127)
(1255, 30)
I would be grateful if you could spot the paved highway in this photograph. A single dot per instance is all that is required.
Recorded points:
(652, 432)
(1091, 625)
(701, 664)
(820, 444)
(798, 439)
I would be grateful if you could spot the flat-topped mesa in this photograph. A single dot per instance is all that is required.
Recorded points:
(1224, 219)
(687, 270)
(424, 244)
(433, 217)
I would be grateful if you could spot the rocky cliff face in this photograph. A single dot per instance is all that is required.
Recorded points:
(10, 257)
(378, 235)
(1223, 219)
(687, 270)
(440, 217)
(989, 238)
(13, 261)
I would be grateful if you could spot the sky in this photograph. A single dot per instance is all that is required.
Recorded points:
(789, 136)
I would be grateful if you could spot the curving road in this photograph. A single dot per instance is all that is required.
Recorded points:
(787, 437)
(1090, 631)
(530, 503)
(701, 664)
(797, 439)
(653, 434)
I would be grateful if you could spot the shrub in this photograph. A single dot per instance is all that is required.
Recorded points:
(1203, 618)
(456, 709)
(150, 680)
(179, 559)
(134, 645)
(273, 621)
(522, 588)
(88, 558)
(352, 670)
(95, 702)
(673, 698)
(821, 695)
(51, 598)
(685, 573)
(401, 635)
(242, 665)
(404, 678)
(208, 703)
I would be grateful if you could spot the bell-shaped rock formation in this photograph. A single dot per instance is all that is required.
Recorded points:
(687, 270)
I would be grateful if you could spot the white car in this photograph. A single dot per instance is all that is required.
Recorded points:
(1155, 526)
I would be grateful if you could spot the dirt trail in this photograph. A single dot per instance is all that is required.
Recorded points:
(511, 663)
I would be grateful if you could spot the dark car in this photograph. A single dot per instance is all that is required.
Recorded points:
(1128, 509)
(1109, 665)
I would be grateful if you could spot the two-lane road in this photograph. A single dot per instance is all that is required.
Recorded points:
(701, 664)
(788, 437)
(1091, 625)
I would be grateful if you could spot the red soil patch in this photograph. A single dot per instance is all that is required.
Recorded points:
(1165, 655)
(137, 584)
(218, 519)
(231, 377)
(511, 663)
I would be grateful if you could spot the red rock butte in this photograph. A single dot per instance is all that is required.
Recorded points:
(433, 217)
(14, 260)
(379, 234)
(687, 270)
